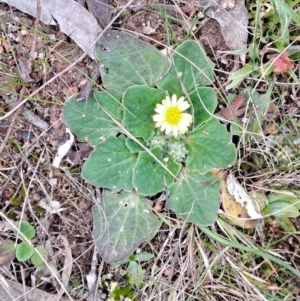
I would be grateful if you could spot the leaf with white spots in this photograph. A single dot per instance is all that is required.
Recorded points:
(195, 198)
(150, 177)
(127, 61)
(204, 100)
(139, 104)
(121, 223)
(209, 147)
(89, 121)
(110, 165)
(191, 69)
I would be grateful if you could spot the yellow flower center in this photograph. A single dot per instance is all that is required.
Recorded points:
(173, 115)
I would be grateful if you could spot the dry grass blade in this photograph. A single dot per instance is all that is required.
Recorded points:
(66, 271)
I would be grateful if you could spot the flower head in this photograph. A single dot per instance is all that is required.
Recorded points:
(170, 117)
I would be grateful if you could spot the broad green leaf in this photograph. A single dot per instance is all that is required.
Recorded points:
(36, 259)
(195, 198)
(110, 165)
(128, 61)
(209, 147)
(287, 196)
(204, 102)
(139, 103)
(133, 146)
(24, 251)
(7, 252)
(121, 223)
(87, 119)
(110, 102)
(191, 68)
(149, 177)
(25, 230)
(283, 209)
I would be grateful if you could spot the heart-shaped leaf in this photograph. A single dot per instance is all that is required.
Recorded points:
(133, 146)
(195, 198)
(25, 230)
(204, 102)
(110, 165)
(149, 177)
(209, 147)
(87, 119)
(121, 223)
(24, 251)
(192, 68)
(38, 259)
(128, 61)
(139, 103)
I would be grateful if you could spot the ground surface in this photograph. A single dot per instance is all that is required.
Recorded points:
(29, 182)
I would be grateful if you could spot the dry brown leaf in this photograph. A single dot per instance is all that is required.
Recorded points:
(73, 19)
(237, 214)
(233, 21)
(281, 62)
(67, 269)
(235, 110)
(271, 128)
(14, 291)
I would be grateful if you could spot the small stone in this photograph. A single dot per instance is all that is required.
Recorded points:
(24, 32)
(52, 37)
(148, 30)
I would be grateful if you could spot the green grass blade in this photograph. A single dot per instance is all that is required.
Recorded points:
(256, 251)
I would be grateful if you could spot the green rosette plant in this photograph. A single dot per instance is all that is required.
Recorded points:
(153, 131)
(24, 250)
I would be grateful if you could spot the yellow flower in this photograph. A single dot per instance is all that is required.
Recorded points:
(170, 117)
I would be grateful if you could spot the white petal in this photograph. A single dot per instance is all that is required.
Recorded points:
(158, 117)
(181, 99)
(183, 106)
(167, 102)
(186, 116)
(182, 129)
(160, 109)
(175, 131)
(168, 129)
(184, 123)
(174, 99)
(163, 126)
